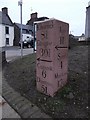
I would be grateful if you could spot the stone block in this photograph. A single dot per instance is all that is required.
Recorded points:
(52, 56)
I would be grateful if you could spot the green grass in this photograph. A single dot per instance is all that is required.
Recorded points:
(21, 75)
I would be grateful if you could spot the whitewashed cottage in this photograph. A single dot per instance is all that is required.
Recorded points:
(6, 29)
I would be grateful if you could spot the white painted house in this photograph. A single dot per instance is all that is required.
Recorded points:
(81, 38)
(6, 29)
(27, 33)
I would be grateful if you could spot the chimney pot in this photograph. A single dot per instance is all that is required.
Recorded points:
(34, 15)
(5, 10)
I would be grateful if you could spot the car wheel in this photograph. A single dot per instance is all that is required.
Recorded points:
(29, 45)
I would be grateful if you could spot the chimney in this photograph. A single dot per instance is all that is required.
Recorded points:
(5, 10)
(34, 15)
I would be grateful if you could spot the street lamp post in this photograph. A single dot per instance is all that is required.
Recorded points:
(21, 41)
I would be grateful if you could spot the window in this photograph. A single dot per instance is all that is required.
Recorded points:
(27, 36)
(7, 30)
(7, 41)
(27, 31)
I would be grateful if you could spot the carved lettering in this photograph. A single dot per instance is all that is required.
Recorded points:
(45, 68)
(59, 75)
(56, 75)
(51, 58)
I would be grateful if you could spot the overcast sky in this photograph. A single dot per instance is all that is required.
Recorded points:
(70, 11)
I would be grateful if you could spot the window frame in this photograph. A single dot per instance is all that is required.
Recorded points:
(7, 41)
(6, 30)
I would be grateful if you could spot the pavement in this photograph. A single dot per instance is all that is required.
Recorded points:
(6, 110)
(12, 103)
(13, 53)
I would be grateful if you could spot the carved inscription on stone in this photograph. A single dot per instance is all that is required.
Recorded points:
(44, 89)
(45, 52)
(51, 65)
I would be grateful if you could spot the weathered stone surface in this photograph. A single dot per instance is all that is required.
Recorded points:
(52, 54)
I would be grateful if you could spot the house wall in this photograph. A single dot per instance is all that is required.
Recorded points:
(81, 39)
(3, 35)
(16, 35)
(0, 35)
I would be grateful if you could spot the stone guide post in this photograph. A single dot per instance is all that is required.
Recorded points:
(52, 56)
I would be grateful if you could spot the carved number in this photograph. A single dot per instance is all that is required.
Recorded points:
(45, 52)
(58, 56)
(44, 35)
(44, 89)
(60, 83)
(44, 74)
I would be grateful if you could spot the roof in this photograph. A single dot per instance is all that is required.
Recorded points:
(42, 18)
(31, 21)
(41, 21)
(25, 28)
(5, 19)
(88, 7)
(49, 19)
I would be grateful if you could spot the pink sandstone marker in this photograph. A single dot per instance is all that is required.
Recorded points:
(52, 56)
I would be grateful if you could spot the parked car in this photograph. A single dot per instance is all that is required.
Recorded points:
(27, 43)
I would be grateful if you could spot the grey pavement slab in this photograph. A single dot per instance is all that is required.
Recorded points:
(12, 54)
(39, 114)
(20, 104)
(0, 107)
(7, 111)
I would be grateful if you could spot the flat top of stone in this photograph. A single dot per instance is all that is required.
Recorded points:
(50, 19)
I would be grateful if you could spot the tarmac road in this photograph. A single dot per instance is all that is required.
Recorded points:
(15, 52)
